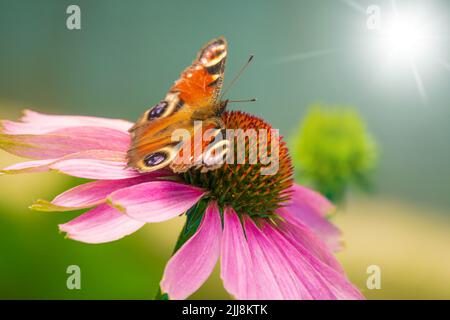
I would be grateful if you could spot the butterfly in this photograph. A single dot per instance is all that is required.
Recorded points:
(195, 96)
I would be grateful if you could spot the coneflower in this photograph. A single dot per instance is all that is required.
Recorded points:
(271, 235)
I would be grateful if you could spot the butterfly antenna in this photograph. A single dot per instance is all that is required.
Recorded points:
(245, 100)
(236, 77)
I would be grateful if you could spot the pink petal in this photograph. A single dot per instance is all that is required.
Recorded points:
(95, 164)
(89, 194)
(38, 123)
(92, 164)
(189, 268)
(102, 138)
(314, 279)
(272, 276)
(99, 225)
(299, 234)
(155, 201)
(64, 141)
(236, 267)
(29, 166)
(315, 200)
(309, 207)
(283, 271)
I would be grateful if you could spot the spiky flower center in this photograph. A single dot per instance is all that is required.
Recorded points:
(241, 184)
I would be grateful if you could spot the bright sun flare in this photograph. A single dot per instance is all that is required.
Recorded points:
(407, 36)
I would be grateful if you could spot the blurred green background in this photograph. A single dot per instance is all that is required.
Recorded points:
(125, 58)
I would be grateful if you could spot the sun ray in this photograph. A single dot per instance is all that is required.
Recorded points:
(419, 81)
(354, 5)
(307, 55)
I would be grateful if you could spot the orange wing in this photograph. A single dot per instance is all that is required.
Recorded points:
(200, 84)
(193, 97)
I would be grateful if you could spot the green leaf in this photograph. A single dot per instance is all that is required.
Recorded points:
(194, 217)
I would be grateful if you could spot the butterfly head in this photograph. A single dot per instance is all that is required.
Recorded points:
(221, 107)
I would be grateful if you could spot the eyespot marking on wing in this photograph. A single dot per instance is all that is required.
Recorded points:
(157, 111)
(154, 159)
(164, 108)
(158, 159)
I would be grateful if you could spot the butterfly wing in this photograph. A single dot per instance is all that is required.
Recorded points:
(152, 146)
(192, 97)
(200, 84)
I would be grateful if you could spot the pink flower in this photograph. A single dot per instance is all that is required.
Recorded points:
(285, 254)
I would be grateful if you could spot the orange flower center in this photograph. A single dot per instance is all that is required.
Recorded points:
(251, 187)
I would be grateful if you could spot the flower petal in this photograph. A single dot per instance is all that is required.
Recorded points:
(155, 201)
(92, 164)
(29, 166)
(236, 266)
(315, 200)
(192, 264)
(283, 271)
(309, 207)
(102, 138)
(271, 275)
(89, 194)
(315, 279)
(64, 141)
(299, 234)
(38, 123)
(95, 164)
(99, 225)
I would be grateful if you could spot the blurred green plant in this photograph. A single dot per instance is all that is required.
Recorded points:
(332, 150)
